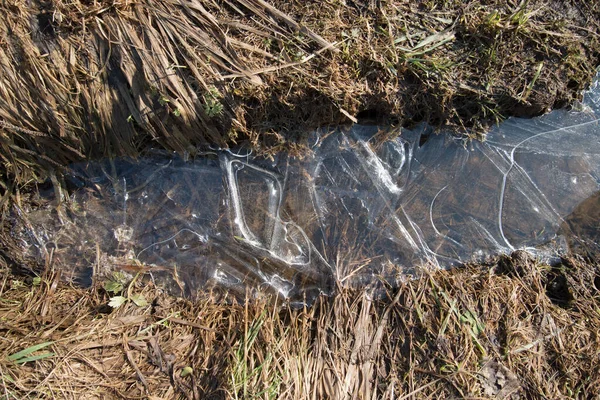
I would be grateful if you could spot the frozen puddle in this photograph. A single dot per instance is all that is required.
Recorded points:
(352, 213)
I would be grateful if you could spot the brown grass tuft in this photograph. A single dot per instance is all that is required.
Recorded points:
(505, 330)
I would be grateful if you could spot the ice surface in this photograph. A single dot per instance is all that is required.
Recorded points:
(353, 212)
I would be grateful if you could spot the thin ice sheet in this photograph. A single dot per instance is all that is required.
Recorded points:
(352, 213)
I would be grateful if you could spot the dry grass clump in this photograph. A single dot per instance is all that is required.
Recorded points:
(452, 62)
(85, 79)
(514, 328)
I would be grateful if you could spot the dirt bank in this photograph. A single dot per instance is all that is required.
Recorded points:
(89, 79)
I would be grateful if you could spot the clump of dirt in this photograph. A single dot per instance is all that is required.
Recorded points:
(467, 65)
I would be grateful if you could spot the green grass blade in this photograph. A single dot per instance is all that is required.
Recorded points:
(34, 358)
(28, 350)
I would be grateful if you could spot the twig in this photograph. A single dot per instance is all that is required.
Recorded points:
(139, 373)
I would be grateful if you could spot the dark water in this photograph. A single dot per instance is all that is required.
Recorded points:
(353, 213)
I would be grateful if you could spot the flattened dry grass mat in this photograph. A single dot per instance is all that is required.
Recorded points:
(82, 79)
(512, 329)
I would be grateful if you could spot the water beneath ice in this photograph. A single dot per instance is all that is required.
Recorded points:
(353, 212)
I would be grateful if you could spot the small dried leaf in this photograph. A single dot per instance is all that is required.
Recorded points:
(117, 301)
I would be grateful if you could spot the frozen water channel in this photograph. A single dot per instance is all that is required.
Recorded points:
(353, 212)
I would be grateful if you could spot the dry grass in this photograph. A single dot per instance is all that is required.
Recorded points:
(513, 328)
(84, 79)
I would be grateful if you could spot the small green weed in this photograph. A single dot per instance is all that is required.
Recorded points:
(247, 372)
(116, 286)
(212, 102)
